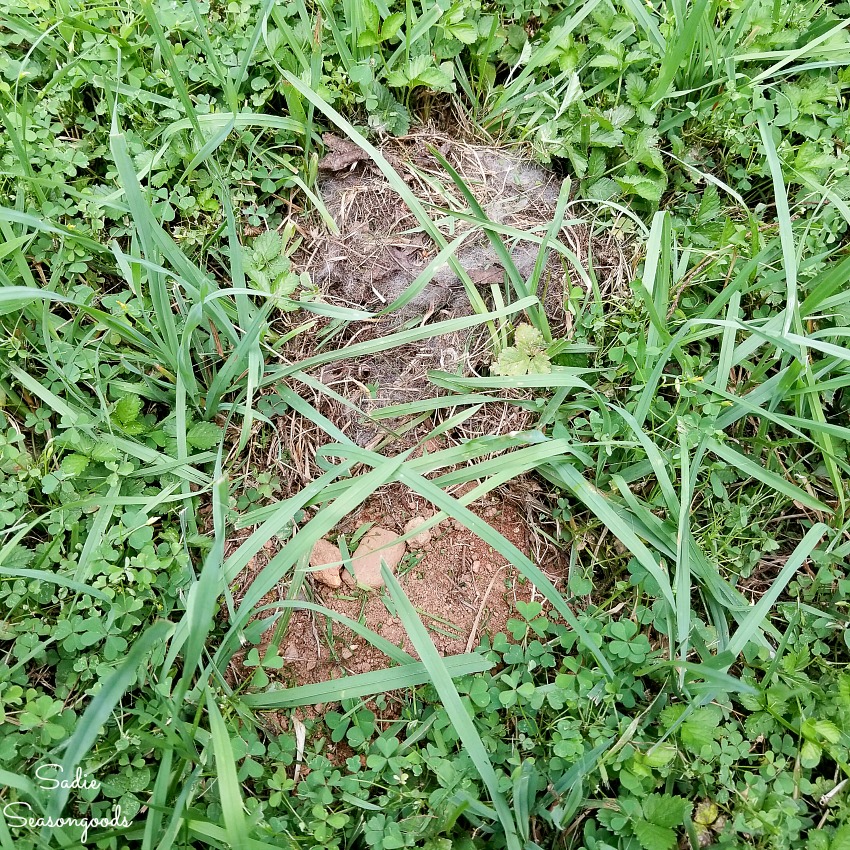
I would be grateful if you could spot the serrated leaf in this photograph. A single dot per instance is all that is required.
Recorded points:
(644, 149)
(700, 729)
(511, 362)
(654, 837)
(540, 364)
(665, 809)
(392, 25)
(128, 408)
(605, 60)
(465, 32)
(73, 465)
(439, 79)
(204, 435)
(810, 754)
(369, 15)
(596, 165)
(259, 278)
(603, 189)
(841, 839)
(635, 87)
(827, 730)
(528, 340)
(267, 246)
(844, 689)
(386, 114)
(709, 205)
(643, 187)
(368, 39)
(607, 138)
(103, 452)
(285, 286)
(660, 755)
(620, 115)
(396, 79)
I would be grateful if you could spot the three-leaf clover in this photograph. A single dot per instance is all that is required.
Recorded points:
(626, 643)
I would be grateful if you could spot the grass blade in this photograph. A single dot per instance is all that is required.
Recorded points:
(442, 682)
(366, 684)
(753, 621)
(229, 792)
(744, 464)
(783, 215)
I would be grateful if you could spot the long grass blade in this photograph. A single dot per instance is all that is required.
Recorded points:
(442, 681)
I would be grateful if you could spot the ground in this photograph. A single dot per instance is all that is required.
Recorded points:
(459, 585)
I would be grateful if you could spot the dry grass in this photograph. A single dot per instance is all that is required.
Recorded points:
(379, 251)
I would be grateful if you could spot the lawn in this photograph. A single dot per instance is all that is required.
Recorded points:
(425, 424)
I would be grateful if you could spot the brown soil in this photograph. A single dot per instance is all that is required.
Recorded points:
(460, 586)
(380, 249)
(375, 256)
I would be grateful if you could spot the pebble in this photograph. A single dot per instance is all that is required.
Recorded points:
(366, 561)
(423, 538)
(325, 552)
(476, 565)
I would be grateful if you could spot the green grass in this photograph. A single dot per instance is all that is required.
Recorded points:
(686, 684)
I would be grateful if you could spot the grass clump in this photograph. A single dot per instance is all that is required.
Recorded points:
(674, 674)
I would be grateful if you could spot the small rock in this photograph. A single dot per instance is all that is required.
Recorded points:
(476, 565)
(325, 552)
(366, 562)
(491, 512)
(423, 538)
(346, 654)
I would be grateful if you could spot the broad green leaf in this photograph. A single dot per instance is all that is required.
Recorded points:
(204, 435)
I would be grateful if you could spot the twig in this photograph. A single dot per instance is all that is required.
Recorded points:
(475, 624)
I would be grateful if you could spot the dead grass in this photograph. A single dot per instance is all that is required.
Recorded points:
(374, 258)
(378, 253)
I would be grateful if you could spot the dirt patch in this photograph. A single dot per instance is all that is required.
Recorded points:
(461, 588)
(372, 260)
(379, 251)
(380, 248)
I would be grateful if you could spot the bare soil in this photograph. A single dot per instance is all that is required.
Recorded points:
(459, 585)
(462, 589)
